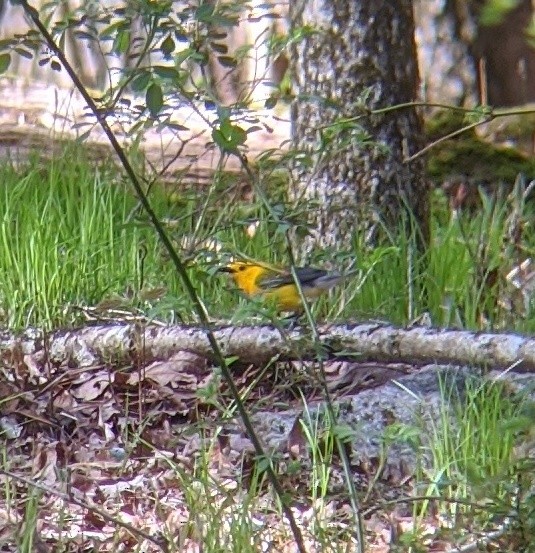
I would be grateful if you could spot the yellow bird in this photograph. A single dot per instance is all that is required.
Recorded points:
(277, 285)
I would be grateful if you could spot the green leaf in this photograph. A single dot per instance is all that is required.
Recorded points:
(140, 82)
(263, 464)
(344, 432)
(110, 31)
(228, 136)
(5, 60)
(168, 46)
(183, 55)
(61, 42)
(121, 42)
(84, 136)
(24, 53)
(224, 21)
(493, 12)
(218, 47)
(7, 42)
(165, 72)
(204, 13)
(227, 61)
(271, 102)
(154, 99)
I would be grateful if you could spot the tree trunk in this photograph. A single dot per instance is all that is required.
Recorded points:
(445, 33)
(360, 56)
(508, 59)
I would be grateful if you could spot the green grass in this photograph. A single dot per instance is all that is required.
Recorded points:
(470, 454)
(72, 236)
(63, 240)
(470, 473)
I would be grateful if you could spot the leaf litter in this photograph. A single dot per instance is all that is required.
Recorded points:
(150, 457)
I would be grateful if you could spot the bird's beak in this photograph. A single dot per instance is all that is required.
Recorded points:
(225, 270)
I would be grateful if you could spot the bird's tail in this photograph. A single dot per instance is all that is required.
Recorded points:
(330, 280)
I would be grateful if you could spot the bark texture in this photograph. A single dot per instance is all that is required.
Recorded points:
(360, 56)
(258, 345)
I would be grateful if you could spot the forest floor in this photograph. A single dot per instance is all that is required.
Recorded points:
(138, 456)
(149, 457)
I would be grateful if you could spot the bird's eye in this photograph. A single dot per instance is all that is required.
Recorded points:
(241, 268)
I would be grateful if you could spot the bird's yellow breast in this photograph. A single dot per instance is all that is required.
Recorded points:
(285, 298)
(277, 285)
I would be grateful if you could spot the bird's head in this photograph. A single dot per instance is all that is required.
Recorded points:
(246, 275)
(235, 267)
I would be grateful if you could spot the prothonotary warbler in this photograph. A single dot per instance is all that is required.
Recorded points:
(277, 286)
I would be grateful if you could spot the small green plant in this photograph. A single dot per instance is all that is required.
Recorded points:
(28, 536)
(471, 449)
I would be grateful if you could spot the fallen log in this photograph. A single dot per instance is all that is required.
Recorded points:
(364, 342)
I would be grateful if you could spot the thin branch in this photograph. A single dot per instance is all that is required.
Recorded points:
(413, 499)
(447, 137)
(180, 267)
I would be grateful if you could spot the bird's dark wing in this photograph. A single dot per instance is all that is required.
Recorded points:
(305, 275)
